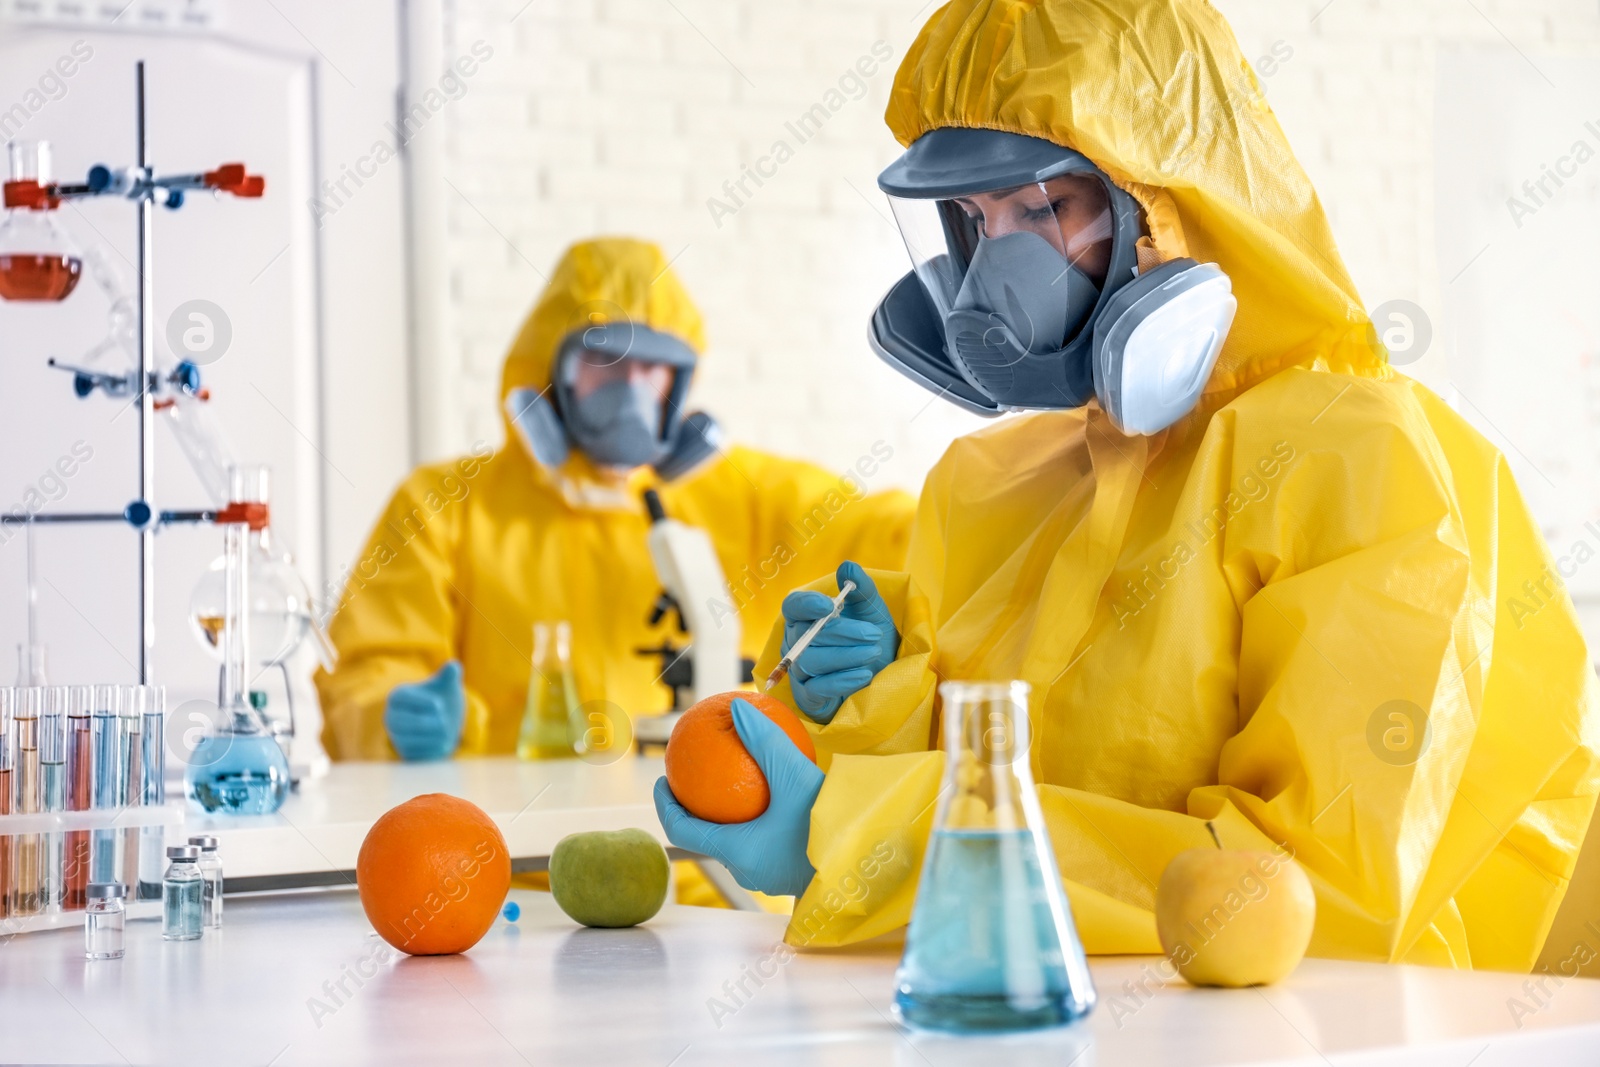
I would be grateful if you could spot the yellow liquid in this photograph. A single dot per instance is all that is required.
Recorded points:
(211, 626)
(550, 728)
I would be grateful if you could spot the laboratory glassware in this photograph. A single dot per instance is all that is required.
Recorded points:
(238, 768)
(38, 262)
(131, 753)
(28, 872)
(211, 867)
(105, 756)
(104, 916)
(182, 893)
(992, 946)
(551, 725)
(30, 664)
(79, 794)
(53, 791)
(152, 788)
(8, 704)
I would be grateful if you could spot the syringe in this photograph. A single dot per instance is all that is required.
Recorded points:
(806, 638)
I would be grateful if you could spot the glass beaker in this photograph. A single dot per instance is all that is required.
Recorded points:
(991, 946)
(238, 768)
(37, 260)
(551, 727)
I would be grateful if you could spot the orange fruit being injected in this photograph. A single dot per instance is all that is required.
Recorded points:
(433, 873)
(709, 770)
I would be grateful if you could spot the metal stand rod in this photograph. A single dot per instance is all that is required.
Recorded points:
(167, 518)
(147, 450)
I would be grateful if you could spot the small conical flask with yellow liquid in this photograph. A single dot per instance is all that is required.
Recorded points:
(551, 727)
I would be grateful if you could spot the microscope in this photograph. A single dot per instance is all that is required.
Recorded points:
(691, 579)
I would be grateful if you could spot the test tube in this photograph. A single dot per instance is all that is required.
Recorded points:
(80, 706)
(28, 884)
(8, 704)
(132, 722)
(105, 762)
(53, 787)
(153, 790)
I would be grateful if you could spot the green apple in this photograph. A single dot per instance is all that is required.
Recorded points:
(1234, 918)
(610, 877)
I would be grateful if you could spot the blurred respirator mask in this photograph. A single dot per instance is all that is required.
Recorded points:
(622, 423)
(1013, 322)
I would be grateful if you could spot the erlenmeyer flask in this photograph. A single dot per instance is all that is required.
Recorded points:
(991, 945)
(550, 724)
(238, 768)
(37, 260)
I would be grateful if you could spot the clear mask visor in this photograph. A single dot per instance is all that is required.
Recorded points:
(1071, 213)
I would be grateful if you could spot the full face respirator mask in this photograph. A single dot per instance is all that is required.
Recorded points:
(1024, 292)
(623, 423)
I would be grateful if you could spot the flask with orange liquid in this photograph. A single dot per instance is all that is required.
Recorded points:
(37, 260)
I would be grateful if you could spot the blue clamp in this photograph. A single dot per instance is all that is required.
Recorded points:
(186, 376)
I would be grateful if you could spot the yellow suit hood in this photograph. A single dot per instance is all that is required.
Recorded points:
(1158, 95)
(598, 281)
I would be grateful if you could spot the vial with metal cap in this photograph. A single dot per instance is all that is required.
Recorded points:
(182, 895)
(211, 868)
(103, 920)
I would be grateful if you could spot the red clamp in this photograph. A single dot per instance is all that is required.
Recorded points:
(30, 194)
(252, 515)
(166, 402)
(231, 178)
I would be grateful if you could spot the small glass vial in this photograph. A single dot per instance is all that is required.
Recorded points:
(103, 919)
(182, 895)
(211, 868)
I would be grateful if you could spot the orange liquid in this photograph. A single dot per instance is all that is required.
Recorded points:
(34, 277)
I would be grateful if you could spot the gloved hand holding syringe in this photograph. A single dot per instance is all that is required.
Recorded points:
(806, 638)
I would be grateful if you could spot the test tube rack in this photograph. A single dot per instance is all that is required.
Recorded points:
(48, 834)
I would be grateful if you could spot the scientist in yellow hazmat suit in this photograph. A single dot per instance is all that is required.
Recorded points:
(434, 630)
(1252, 575)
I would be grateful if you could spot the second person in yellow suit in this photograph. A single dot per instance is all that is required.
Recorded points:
(1304, 602)
(434, 630)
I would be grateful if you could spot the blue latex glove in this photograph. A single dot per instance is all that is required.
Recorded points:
(848, 652)
(768, 853)
(424, 719)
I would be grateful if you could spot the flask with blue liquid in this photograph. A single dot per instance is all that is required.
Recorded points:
(238, 768)
(992, 946)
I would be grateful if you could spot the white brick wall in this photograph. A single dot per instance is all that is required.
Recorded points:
(625, 116)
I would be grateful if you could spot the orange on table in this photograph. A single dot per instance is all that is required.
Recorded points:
(432, 874)
(708, 768)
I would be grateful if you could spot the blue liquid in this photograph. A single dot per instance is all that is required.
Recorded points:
(106, 760)
(238, 774)
(153, 761)
(106, 792)
(181, 908)
(984, 951)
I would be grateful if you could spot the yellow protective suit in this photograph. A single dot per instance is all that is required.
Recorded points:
(1316, 611)
(469, 554)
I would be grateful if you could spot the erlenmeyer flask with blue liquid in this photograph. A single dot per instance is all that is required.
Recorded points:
(238, 768)
(992, 946)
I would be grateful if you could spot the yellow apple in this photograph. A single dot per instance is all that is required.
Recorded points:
(1234, 918)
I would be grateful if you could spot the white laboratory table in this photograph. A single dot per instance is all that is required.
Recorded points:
(266, 989)
(314, 838)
